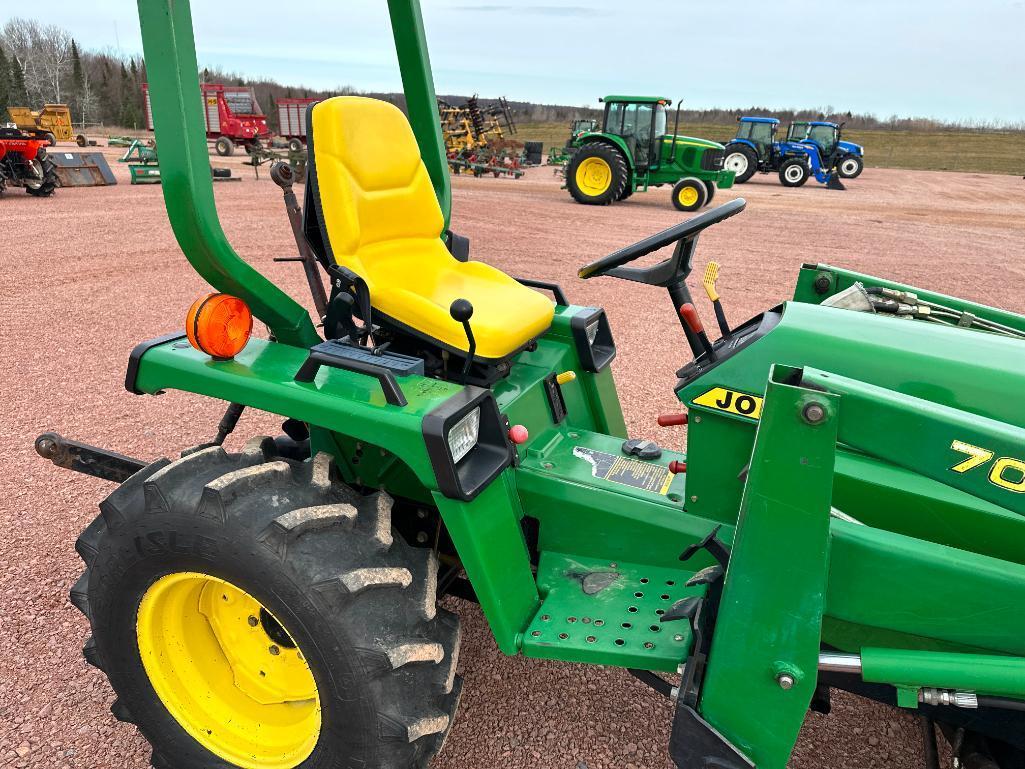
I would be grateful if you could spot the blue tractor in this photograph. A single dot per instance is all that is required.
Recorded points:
(811, 148)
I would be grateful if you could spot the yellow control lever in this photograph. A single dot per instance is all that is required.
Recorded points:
(709, 281)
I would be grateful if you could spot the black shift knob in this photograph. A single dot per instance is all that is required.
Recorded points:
(461, 310)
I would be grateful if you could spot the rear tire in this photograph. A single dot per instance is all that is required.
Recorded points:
(338, 595)
(597, 175)
(793, 172)
(742, 161)
(50, 182)
(689, 194)
(295, 145)
(850, 167)
(224, 146)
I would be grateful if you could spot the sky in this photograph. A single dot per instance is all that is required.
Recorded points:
(942, 59)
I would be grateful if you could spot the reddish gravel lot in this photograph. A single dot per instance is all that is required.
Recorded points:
(90, 272)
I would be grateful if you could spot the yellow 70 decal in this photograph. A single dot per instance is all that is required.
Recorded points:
(1006, 472)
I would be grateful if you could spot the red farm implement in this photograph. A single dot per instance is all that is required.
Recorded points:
(292, 121)
(232, 116)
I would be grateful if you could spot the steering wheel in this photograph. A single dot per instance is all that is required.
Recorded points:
(686, 233)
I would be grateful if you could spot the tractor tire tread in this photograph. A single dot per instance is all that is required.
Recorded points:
(752, 161)
(790, 162)
(620, 174)
(371, 594)
(50, 181)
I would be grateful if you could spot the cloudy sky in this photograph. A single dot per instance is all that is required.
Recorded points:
(935, 58)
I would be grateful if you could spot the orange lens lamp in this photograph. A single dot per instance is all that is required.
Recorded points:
(219, 325)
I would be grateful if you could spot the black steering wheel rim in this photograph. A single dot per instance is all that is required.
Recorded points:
(683, 231)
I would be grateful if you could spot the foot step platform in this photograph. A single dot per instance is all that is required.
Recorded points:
(608, 613)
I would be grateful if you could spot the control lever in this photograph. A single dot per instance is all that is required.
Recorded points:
(283, 175)
(693, 321)
(709, 281)
(672, 420)
(461, 311)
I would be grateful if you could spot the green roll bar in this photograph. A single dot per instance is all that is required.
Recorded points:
(173, 75)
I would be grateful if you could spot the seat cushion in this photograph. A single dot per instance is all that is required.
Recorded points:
(379, 216)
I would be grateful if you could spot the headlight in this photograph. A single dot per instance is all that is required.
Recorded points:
(463, 435)
(592, 332)
(467, 442)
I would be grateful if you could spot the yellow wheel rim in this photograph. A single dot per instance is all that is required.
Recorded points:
(228, 672)
(594, 177)
(688, 196)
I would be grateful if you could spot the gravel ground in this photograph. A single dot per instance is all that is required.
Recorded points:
(90, 272)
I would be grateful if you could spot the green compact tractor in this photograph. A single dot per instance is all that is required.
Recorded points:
(849, 512)
(633, 151)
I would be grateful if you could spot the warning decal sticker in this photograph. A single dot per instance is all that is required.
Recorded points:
(626, 471)
(732, 402)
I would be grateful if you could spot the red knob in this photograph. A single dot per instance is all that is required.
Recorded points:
(518, 434)
(672, 420)
(690, 314)
(677, 467)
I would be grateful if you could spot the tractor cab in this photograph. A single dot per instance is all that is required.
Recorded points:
(825, 136)
(641, 122)
(759, 133)
(582, 126)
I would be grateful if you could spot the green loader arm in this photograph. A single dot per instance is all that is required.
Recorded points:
(926, 613)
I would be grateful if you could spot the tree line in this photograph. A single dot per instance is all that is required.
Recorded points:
(43, 64)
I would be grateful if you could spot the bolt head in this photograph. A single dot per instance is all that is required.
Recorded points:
(253, 621)
(274, 650)
(814, 413)
(785, 681)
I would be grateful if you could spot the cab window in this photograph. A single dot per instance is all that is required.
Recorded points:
(824, 136)
(761, 133)
(798, 132)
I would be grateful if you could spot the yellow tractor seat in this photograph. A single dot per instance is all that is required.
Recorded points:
(379, 217)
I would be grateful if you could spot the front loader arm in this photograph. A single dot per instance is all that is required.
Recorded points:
(924, 618)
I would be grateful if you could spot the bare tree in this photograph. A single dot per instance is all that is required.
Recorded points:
(42, 52)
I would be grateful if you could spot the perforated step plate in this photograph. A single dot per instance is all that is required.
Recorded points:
(608, 614)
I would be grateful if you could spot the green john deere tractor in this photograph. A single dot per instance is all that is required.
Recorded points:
(849, 512)
(633, 151)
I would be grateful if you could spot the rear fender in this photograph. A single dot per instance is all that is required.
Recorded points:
(346, 409)
(612, 141)
(745, 142)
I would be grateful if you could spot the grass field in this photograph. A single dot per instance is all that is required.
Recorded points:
(994, 152)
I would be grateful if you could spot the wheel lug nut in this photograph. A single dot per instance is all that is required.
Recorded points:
(274, 650)
(253, 621)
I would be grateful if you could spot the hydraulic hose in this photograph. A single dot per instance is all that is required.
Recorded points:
(1004, 703)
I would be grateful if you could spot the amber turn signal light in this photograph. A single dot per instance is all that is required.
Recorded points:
(219, 325)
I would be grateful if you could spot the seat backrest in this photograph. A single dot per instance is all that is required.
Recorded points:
(367, 182)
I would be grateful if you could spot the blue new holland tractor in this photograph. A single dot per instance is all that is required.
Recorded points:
(811, 148)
